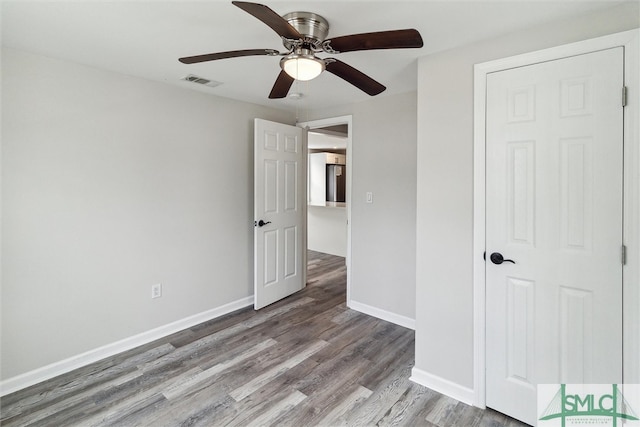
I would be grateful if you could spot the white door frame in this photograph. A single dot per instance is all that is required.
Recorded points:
(333, 121)
(631, 210)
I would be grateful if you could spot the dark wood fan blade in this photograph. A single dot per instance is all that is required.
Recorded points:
(281, 87)
(396, 39)
(355, 77)
(271, 18)
(229, 54)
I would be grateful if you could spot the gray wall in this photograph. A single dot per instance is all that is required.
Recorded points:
(111, 184)
(383, 234)
(444, 282)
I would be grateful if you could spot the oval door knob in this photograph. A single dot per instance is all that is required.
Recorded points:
(497, 258)
(261, 223)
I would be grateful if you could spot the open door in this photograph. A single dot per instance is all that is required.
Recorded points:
(279, 208)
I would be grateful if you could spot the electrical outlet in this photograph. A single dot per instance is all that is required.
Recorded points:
(156, 290)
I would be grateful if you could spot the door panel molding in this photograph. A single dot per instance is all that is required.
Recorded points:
(631, 210)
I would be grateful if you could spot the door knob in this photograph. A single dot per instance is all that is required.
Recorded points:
(497, 258)
(261, 223)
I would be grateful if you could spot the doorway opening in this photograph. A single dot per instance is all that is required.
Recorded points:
(329, 188)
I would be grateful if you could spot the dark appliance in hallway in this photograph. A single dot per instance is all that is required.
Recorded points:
(336, 183)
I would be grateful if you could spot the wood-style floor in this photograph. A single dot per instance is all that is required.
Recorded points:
(307, 360)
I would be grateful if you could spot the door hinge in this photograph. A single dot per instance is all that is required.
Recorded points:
(624, 96)
(624, 255)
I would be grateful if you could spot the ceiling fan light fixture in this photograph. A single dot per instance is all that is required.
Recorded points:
(302, 67)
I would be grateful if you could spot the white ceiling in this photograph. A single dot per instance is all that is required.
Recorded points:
(145, 38)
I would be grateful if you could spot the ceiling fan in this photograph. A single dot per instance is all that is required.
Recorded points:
(303, 35)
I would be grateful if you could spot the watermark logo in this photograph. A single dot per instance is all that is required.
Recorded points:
(562, 405)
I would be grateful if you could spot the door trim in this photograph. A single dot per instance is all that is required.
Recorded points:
(332, 121)
(631, 209)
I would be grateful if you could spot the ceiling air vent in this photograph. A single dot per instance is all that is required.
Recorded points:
(201, 80)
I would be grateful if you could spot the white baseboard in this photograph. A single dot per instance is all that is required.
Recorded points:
(441, 385)
(30, 378)
(383, 314)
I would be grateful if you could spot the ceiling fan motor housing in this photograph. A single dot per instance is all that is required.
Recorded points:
(312, 26)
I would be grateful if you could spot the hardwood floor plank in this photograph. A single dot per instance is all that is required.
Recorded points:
(325, 392)
(274, 411)
(256, 383)
(467, 415)
(195, 409)
(136, 398)
(495, 419)
(401, 412)
(124, 412)
(241, 413)
(342, 370)
(181, 389)
(108, 376)
(358, 333)
(384, 362)
(346, 405)
(376, 406)
(74, 400)
(286, 381)
(345, 316)
(443, 412)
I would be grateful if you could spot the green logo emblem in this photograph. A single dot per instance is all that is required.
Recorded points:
(583, 408)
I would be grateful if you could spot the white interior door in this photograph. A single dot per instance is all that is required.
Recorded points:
(553, 206)
(279, 203)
